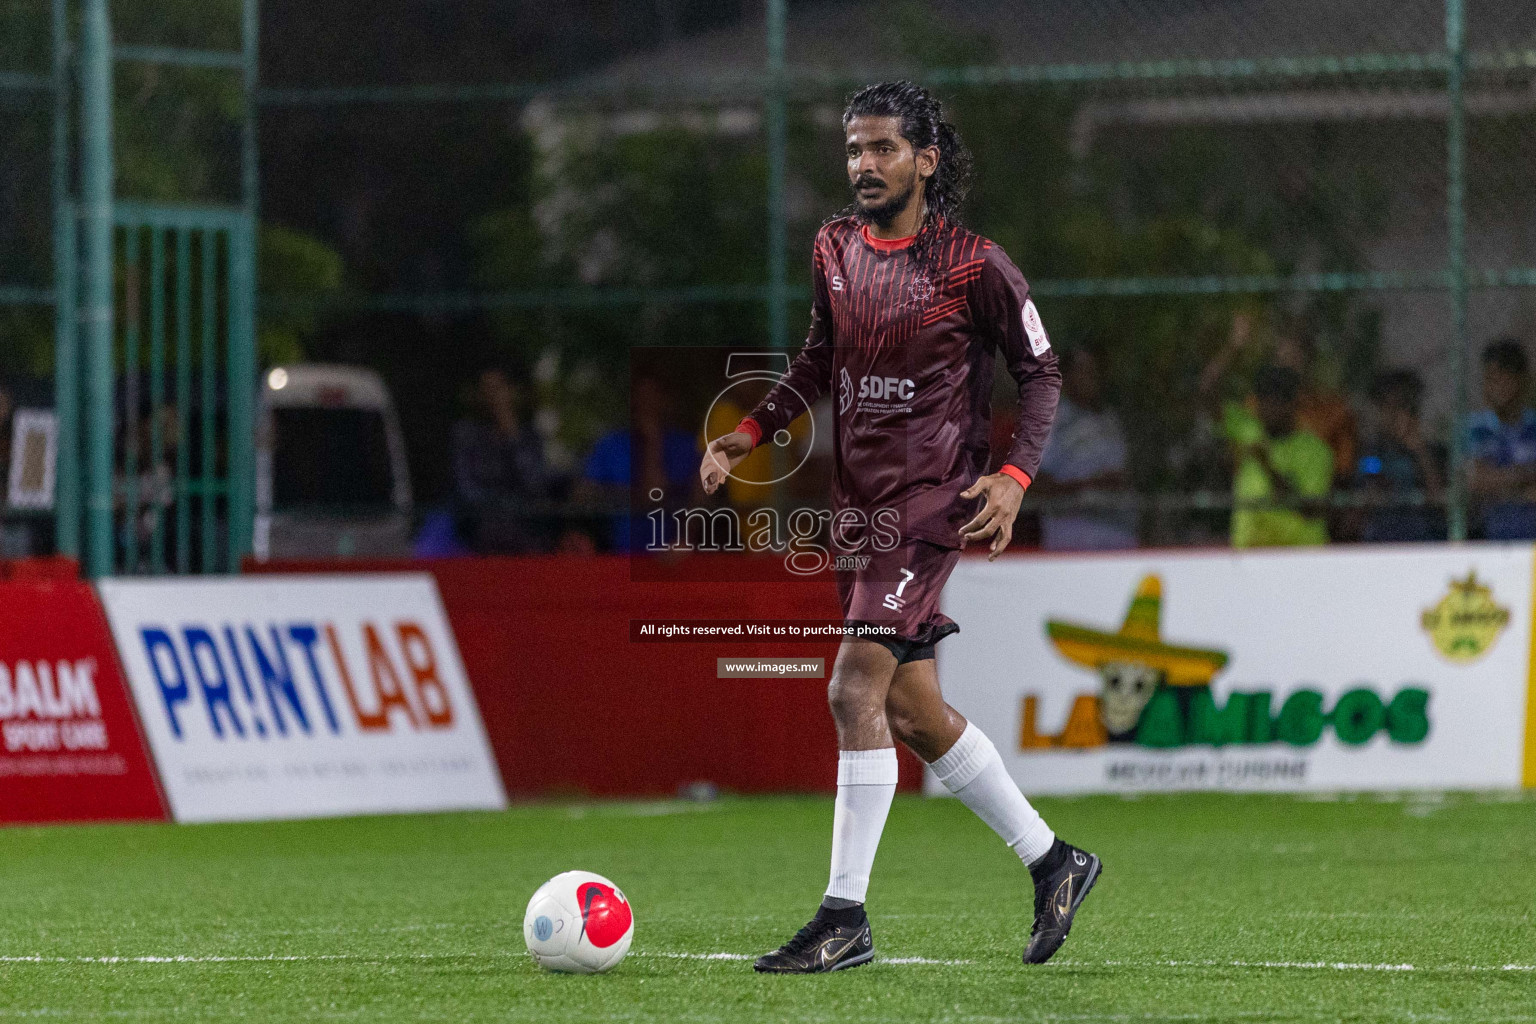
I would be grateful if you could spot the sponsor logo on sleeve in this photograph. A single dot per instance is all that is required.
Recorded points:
(1034, 329)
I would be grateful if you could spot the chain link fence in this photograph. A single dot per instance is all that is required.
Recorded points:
(1195, 189)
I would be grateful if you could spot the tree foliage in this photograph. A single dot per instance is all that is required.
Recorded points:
(176, 139)
(675, 199)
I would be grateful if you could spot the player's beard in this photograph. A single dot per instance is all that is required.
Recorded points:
(894, 206)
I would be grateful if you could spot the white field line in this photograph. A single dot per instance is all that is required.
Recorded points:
(647, 809)
(749, 956)
(1297, 965)
(1303, 965)
(696, 956)
(271, 958)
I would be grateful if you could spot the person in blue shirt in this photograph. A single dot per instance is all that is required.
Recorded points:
(1501, 442)
(1400, 465)
(634, 461)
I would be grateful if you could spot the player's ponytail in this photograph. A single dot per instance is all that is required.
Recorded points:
(922, 124)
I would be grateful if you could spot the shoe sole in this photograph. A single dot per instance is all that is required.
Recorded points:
(853, 961)
(841, 965)
(1094, 871)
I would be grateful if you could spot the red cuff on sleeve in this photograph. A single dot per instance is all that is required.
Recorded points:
(1017, 473)
(749, 426)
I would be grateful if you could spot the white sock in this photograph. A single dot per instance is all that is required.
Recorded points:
(866, 782)
(973, 770)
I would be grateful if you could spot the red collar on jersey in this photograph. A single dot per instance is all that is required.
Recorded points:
(887, 244)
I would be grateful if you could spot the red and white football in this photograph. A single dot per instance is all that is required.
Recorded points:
(578, 923)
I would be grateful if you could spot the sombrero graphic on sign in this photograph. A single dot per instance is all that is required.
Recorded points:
(1135, 661)
(1157, 693)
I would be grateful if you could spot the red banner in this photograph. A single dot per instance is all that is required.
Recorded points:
(572, 706)
(70, 747)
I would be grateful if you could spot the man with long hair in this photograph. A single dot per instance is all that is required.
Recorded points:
(911, 311)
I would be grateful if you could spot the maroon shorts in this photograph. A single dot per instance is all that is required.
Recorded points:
(900, 589)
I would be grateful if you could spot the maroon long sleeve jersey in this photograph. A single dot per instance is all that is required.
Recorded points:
(909, 350)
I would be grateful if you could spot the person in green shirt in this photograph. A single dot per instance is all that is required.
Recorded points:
(1275, 460)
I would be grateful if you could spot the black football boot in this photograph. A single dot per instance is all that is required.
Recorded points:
(1062, 881)
(833, 940)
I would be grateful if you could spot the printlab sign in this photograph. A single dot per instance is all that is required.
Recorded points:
(302, 696)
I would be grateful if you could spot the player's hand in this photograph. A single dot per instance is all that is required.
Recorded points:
(1003, 494)
(723, 455)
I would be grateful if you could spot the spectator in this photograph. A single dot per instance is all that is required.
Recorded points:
(499, 472)
(156, 490)
(1086, 454)
(1276, 460)
(1319, 409)
(638, 460)
(1397, 464)
(1502, 444)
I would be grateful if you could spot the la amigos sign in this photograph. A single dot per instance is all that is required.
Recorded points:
(1178, 719)
(1360, 668)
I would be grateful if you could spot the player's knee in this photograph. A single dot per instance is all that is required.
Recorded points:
(911, 729)
(905, 728)
(851, 695)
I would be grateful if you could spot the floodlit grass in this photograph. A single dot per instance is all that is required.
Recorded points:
(1211, 908)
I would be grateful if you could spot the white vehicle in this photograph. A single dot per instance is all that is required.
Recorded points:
(331, 474)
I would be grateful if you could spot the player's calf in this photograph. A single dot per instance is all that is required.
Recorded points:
(973, 770)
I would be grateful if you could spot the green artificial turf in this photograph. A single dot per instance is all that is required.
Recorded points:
(1211, 908)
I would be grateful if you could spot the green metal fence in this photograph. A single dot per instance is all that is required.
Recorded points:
(1431, 59)
(188, 367)
(116, 262)
(786, 92)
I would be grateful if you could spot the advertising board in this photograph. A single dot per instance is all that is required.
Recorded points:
(283, 697)
(1319, 669)
(70, 749)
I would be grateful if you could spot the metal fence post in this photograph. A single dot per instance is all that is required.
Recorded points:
(241, 352)
(96, 309)
(774, 101)
(66, 350)
(1456, 224)
(778, 326)
(241, 370)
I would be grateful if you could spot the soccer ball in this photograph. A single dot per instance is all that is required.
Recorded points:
(579, 923)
